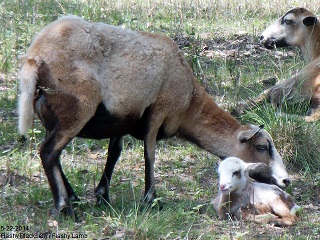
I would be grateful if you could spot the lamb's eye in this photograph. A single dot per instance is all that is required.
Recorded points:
(237, 174)
(288, 21)
(261, 147)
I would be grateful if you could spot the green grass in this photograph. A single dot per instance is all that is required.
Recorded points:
(221, 36)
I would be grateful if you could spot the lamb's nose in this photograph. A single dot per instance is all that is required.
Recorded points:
(286, 182)
(222, 187)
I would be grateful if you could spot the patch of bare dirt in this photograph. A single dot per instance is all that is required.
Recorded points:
(238, 47)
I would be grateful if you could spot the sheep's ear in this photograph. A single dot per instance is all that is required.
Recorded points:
(256, 167)
(246, 135)
(310, 21)
(259, 171)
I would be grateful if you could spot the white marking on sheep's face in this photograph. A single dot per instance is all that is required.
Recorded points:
(232, 176)
(279, 173)
(289, 30)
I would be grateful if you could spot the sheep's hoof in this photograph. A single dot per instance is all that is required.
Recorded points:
(241, 108)
(311, 118)
(155, 204)
(158, 203)
(102, 195)
(103, 200)
(70, 211)
(22, 139)
(67, 211)
(63, 213)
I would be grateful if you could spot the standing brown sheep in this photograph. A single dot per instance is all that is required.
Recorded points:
(101, 81)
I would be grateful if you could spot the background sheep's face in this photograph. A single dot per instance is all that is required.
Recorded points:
(289, 30)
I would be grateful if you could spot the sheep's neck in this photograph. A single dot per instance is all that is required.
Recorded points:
(236, 202)
(311, 48)
(208, 125)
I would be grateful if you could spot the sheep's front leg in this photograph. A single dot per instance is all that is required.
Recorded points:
(288, 90)
(149, 155)
(315, 116)
(273, 95)
(314, 112)
(251, 103)
(114, 151)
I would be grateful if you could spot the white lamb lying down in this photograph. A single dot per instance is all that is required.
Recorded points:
(240, 197)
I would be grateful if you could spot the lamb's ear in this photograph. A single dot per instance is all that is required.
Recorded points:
(259, 172)
(310, 21)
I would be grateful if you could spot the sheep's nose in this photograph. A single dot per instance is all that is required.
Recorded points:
(262, 39)
(286, 182)
(222, 187)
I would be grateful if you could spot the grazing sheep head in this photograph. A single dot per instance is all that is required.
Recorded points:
(258, 147)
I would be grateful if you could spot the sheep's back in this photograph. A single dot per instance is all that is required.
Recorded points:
(134, 70)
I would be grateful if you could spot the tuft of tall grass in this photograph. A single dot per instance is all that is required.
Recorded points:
(295, 139)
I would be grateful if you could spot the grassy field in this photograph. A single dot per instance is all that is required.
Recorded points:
(220, 41)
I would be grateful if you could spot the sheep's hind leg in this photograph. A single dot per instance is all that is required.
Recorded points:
(52, 147)
(50, 151)
(49, 120)
(61, 189)
(114, 151)
(314, 112)
(283, 222)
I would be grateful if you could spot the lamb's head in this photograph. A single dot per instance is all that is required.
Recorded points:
(256, 146)
(289, 30)
(232, 175)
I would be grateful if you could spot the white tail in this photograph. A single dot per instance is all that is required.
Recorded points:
(28, 79)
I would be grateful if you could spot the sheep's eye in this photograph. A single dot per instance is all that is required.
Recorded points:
(237, 174)
(288, 21)
(261, 147)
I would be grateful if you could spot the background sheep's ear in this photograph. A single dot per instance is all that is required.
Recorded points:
(309, 21)
(259, 172)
